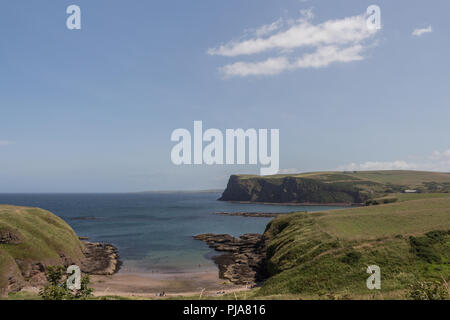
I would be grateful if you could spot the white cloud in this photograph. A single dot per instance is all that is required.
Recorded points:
(376, 165)
(267, 67)
(268, 28)
(306, 15)
(419, 32)
(322, 57)
(437, 161)
(304, 33)
(438, 155)
(339, 40)
(6, 142)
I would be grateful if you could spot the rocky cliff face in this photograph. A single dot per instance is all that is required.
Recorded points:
(33, 239)
(243, 259)
(291, 189)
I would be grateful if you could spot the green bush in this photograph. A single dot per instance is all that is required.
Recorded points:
(57, 287)
(427, 290)
(424, 247)
(437, 236)
(351, 258)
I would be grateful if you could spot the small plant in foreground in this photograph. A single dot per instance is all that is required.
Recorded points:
(429, 290)
(57, 287)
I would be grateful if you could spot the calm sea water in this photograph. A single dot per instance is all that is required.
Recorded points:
(153, 231)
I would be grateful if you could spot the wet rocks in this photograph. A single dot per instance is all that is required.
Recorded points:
(243, 258)
(250, 214)
(100, 259)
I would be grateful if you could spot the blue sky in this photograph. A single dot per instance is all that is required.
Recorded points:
(92, 110)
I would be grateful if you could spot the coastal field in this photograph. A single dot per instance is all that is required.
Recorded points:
(153, 233)
(345, 187)
(325, 255)
(308, 255)
(409, 178)
(328, 252)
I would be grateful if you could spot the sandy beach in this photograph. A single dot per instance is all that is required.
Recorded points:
(150, 285)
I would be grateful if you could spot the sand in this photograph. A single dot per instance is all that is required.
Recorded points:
(149, 285)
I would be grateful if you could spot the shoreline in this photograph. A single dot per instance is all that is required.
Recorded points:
(252, 214)
(238, 266)
(110, 277)
(142, 285)
(306, 204)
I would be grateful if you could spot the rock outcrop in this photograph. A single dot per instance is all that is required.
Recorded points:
(101, 259)
(250, 214)
(10, 237)
(41, 239)
(291, 190)
(243, 258)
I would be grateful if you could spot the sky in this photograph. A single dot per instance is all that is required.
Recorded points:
(92, 110)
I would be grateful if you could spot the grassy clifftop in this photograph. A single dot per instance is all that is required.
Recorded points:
(328, 252)
(332, 187)
(30, 239)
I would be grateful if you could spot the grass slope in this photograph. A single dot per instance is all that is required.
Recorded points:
(404, 179)
(401, 177)
(35, 236)
(314, 254)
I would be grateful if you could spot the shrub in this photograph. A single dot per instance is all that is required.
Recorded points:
(437, 236)
(422, 247)
(57, 287)
(351, 258)
(427, 290)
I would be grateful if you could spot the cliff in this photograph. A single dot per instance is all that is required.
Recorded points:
(331, 187)
(31, 239)
(291, 190)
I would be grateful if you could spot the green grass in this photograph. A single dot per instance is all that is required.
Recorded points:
(399, 177)
(402, 177)
(414, 196)
(23, 296)
(408, 217)
(43, 237)
(327, 253)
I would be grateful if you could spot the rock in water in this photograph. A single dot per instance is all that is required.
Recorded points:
(244, 259)
(101, 259)
(251, 214)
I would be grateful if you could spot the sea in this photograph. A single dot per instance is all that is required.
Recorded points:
(153, 231)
